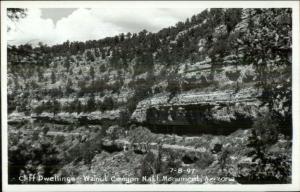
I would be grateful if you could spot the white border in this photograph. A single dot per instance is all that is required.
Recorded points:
(295, 186)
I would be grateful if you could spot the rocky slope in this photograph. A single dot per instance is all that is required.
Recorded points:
(203, 80)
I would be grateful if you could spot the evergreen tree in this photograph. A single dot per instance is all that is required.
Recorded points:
(91, 104)
(108, 104)
(97, 54)
(55, 107)
(79, 107)
(90, 56)
(232, 17)
(53, 77)
(80, 72)
(92, 72)
(40, 74)
(69, 87)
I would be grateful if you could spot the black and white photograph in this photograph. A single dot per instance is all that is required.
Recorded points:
(150, 94)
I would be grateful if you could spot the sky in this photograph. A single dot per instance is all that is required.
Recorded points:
(56, 25)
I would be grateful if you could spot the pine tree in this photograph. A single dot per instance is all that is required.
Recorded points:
(80, 72)
(91, 104)
(69, 86)
(40, 75)
(107, 104)
(97, 54)
(67, 63)
(92, 72)
(90, 56)
(55, 106)
(53, 77)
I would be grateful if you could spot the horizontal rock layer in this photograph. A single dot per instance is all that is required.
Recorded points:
(217, 112)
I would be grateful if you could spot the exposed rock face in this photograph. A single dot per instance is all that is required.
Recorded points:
(106, 118)
(212, 65)
(215, 112)
(112, 146)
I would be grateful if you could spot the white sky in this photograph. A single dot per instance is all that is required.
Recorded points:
(89, 24)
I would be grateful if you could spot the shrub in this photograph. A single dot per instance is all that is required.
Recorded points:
(173, 84)
(265, 167)
(131, 104)
(189, 158)
(86, 150)
(150, 164)
(59, 139)
(56, 107)
(29, 156)
(223, 159)
(53, 77)
(266, 129)
(102, 68)
(272, 169)
(107, 104)
(204, 160)
(124, 118)
(140, 93)
(90, 56)
(91, 104)
(233, 75)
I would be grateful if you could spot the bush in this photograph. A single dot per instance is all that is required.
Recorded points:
(59, 139)
(223, 159)
(233, 76)
(90, 56)
(132, 104)
(124, 118)
(107, 104)
(272, 169)
(102, 68)
(91, 104)
(265, 168)
(86, 150)
(150, 164)
(173, 84)
(29, 156)
(204, 160)
(266, 129)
